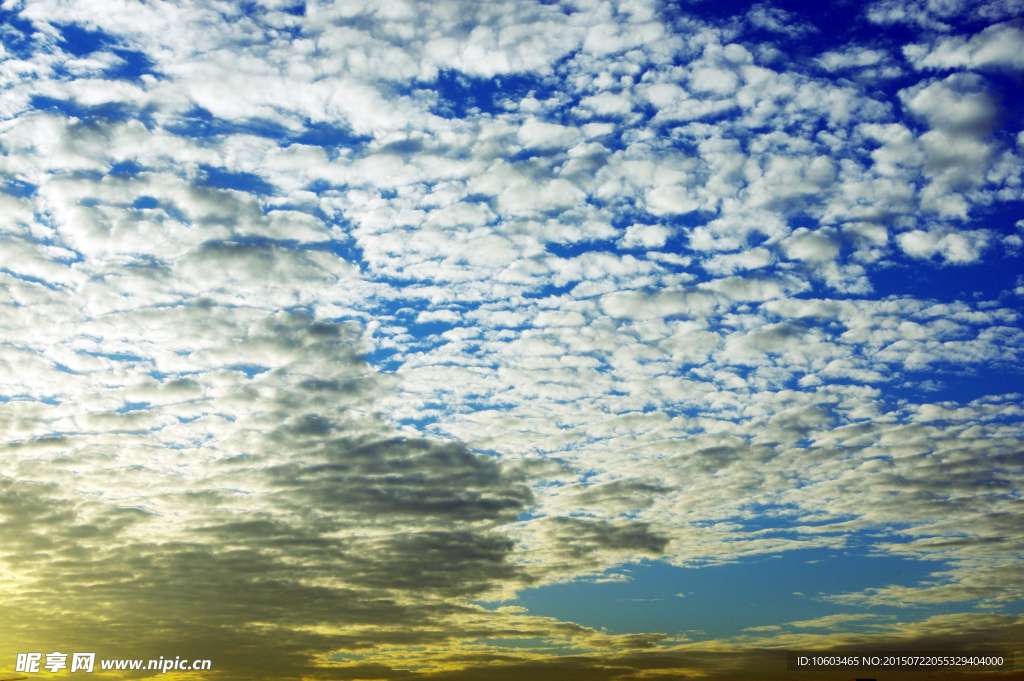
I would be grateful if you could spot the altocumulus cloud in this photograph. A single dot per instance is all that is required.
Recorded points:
(330, 329)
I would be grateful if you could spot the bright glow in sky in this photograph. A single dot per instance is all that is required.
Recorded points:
(481, 340)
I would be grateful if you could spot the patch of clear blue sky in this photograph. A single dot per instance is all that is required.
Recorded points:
(81, 42)
(721, 600)
(988, 279)
(460, 95)
(240, 181)
(30, 279)
(957, 385)
(111, 112)
(16, 33)
(18, 188)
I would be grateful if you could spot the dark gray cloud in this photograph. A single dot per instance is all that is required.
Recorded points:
(294, 531)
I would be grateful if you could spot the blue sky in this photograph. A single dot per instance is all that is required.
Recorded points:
(460, 340)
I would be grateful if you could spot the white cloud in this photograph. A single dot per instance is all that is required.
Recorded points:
(644, 236)
(958, 248)
(752, 259)
(535, 133)
(805, 245)
(837, 61)
(958, 150)
(193, 350)
(778, 21)
(997, 45)
(608, 104)
(939, 15)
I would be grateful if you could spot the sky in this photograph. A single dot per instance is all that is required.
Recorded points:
(441, 341)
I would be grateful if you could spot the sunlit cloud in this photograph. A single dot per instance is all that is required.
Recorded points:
(381, 339)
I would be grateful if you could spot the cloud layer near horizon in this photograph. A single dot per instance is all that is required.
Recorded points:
(324, 324)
